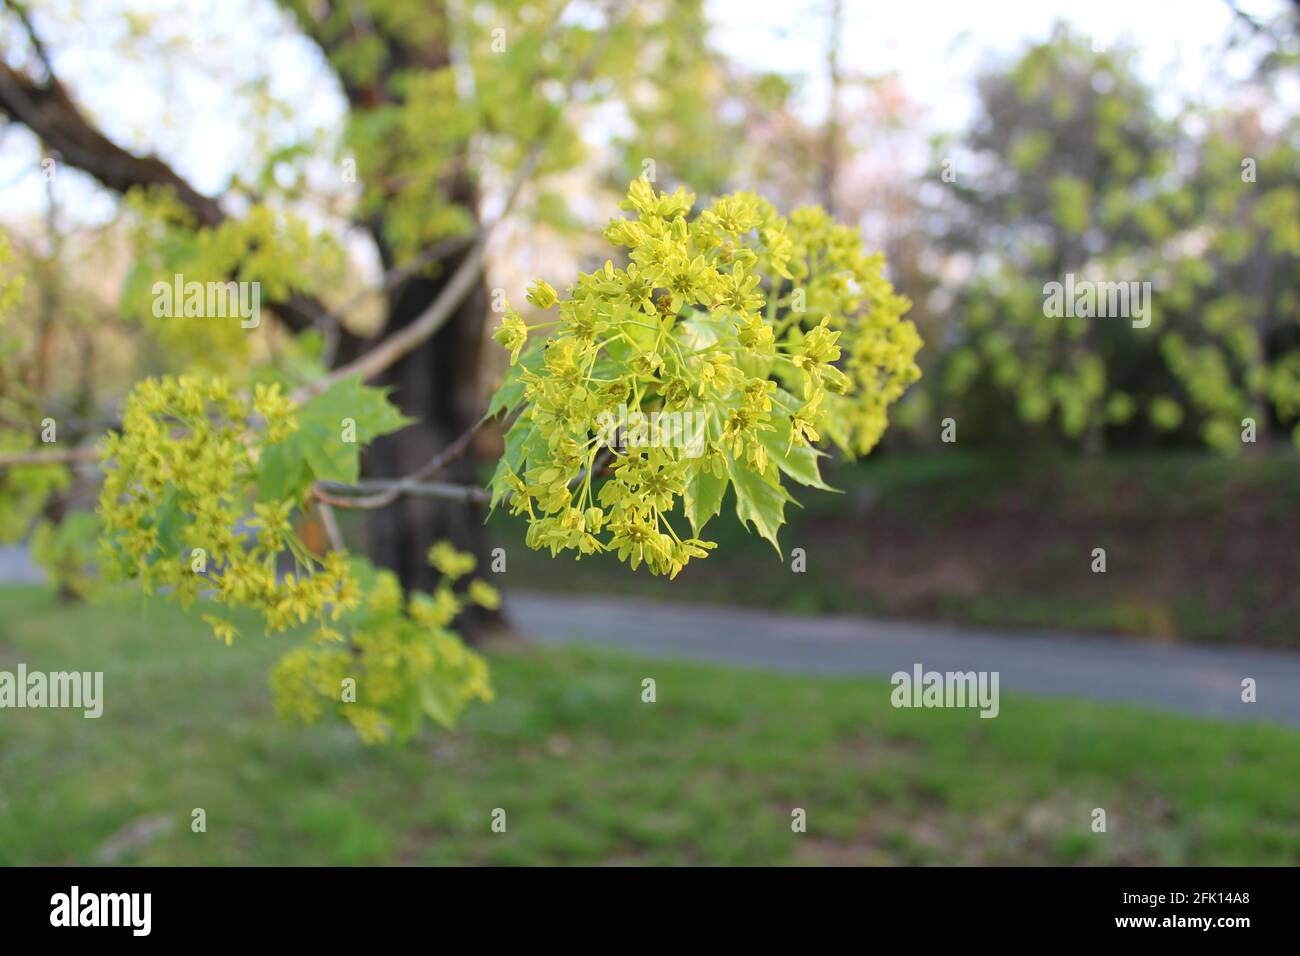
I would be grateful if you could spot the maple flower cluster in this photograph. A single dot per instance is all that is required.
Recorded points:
(405, 662)
(176, 514)
(781, 332)
(180, 513)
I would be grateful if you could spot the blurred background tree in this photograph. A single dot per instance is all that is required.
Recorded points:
(1068, 168)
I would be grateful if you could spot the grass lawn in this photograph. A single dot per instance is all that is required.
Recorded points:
(587, 773)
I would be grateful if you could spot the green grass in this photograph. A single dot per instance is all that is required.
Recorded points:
(587, 773)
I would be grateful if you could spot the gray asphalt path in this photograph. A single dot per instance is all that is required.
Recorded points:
(16, 567)
(1193, 680)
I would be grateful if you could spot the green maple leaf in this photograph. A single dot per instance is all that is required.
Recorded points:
(333, 427)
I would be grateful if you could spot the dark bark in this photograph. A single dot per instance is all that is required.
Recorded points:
(438, 385)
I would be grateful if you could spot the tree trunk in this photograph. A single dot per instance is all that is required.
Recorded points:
(437, 384)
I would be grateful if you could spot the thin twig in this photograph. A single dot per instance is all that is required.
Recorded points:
(453, 452)
(330, 525)
(38, 46)
(356, 497)
(36, 458)
(349, 502)
(399, 274)
(410, 337)
(332, 322)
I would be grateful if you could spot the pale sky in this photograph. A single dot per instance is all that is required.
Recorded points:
(937, 46)
(934, 46)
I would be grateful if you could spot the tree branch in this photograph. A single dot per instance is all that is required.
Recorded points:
(410, 337)
(330, 525)
(49, 112)
(38, 46)
(35, 458)
(363, 495)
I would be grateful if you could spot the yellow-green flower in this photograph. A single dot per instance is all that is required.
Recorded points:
(512, 334)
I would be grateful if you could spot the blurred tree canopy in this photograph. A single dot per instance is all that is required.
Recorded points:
(1070, 170)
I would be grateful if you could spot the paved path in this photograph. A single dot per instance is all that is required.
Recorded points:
(16, 566)
(1194, 680)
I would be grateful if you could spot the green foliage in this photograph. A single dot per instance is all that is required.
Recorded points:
(1080, 178)
(404, 661)
(1070, 141)
(181, 513)
(271, 247)
(178, 497)
(1232, 312)
(332, 427)
(23, 491)
(695, 330)
(67, 550)
(681, 121)
(410, 144)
